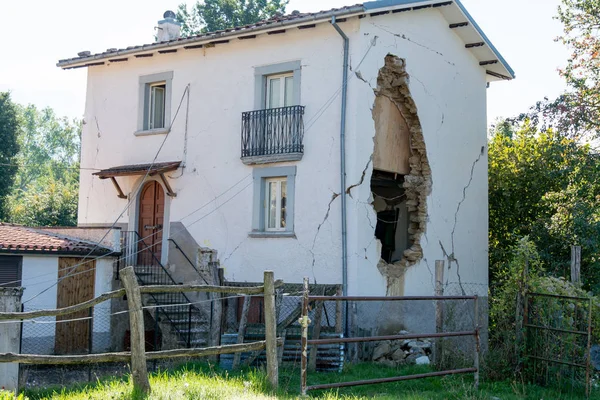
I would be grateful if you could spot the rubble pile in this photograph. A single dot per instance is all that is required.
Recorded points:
(393, 353)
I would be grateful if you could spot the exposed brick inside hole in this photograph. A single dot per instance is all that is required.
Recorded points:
(392, 82)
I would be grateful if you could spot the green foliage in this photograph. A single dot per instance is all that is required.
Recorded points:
(576, 112)
(545, 186)
(214, 15)
(504, 355)
(45, 190)
(46, 202)
(9, 126)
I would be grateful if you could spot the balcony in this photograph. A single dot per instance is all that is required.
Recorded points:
(273, 135)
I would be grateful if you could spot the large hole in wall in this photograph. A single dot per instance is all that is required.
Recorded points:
(401, 179)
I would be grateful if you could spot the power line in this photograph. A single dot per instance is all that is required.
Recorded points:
(123, 258)
(130, 200)
(311, 123)
(42, 166)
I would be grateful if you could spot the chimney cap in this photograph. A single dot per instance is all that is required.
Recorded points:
(169, 14)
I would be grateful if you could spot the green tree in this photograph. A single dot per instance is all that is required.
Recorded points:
(214, 15)
(45, 189)
(9, 147)
(545, 186)
(576, 112)
(46, 202)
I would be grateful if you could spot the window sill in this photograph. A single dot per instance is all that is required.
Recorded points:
(277, 235)
(272, 158)
(149, 132)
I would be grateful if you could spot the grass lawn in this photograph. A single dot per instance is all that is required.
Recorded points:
(201, 381)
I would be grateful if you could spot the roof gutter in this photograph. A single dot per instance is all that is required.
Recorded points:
(178, 43)
(346, 41)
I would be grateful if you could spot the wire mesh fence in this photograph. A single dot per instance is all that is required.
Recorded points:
(85, 332)
(558, 340)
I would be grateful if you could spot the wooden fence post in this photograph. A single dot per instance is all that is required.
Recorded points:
(242, 330)
(439, 309)
(271, 329)
(139, 371)
(576, 264)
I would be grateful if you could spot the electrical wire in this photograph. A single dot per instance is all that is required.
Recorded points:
(130, 200)
(311, 123)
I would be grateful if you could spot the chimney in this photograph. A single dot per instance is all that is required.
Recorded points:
(168, 28)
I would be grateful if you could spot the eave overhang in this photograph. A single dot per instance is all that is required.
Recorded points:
(459, 21)
(151, 169)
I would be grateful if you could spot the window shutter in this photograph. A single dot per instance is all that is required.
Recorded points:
(10, 271)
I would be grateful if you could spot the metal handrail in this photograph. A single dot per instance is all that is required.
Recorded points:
(187, 258)
(182, 297)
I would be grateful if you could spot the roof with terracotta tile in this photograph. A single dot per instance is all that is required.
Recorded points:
(457, 16)
(19, 239)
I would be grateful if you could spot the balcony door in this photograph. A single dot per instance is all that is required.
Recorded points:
(280, 90)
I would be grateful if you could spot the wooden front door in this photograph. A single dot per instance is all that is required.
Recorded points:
(74, 337)
(151, 219)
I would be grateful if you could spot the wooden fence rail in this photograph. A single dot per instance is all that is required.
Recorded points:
(138, 356)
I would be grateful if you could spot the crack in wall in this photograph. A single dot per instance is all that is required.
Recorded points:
(404, 37)
(451, 257)
(312, 249)
(393, 82)
(362, 178)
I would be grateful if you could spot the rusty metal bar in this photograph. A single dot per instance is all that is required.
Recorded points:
(549, 328)
(549, 360)
(392, 379)
(391, 337)
(389, 298)
(557, 296)
(476, 321)
(589, 350)
(304, 338)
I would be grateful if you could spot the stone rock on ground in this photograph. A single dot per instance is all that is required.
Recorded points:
(381, 350)
(423, 360)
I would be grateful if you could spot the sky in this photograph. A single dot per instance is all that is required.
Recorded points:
(38, 33)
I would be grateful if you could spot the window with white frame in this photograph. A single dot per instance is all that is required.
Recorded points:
(275, 202)
(273, 211)
(277, 85)
(154, 103)
(280, 90)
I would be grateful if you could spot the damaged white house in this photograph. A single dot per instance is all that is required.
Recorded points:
(346, 145)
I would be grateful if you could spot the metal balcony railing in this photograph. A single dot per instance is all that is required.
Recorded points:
(273, 131)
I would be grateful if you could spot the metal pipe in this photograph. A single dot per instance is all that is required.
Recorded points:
(304, 321)
(343, 169)
(477, 346)
(391, 337)
(388, 298)
(392, 379)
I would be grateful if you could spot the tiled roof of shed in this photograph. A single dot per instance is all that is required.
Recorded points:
(23, 240)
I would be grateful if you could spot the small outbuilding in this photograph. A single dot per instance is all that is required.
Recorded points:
(58, 268)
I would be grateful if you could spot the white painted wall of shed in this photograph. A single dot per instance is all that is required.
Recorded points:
(447, 85)
(101, 326)
(40, 273)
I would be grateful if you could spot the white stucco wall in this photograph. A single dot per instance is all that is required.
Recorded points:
(449, 89)
(446, 83)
